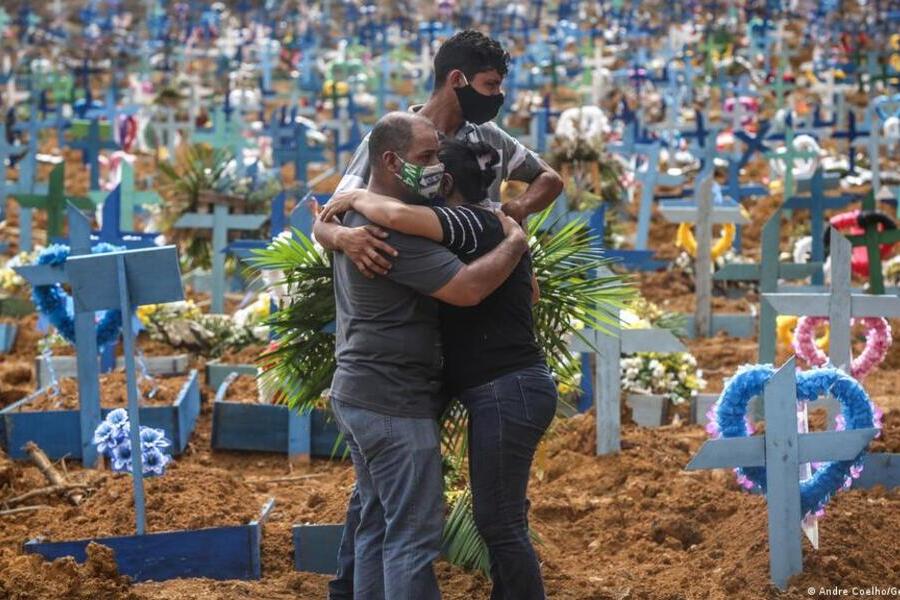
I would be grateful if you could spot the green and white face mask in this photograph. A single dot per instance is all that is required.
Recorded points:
(425, 181)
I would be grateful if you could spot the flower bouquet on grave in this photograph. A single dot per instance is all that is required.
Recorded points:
(14, 299)
(591, 174)
(112, 438)
(183, 325)
(673, 375)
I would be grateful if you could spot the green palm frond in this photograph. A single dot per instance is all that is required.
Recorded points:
(303, 363)
(577, 289)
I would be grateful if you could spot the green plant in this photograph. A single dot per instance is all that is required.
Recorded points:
(577, 291)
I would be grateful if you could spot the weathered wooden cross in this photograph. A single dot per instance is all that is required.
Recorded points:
(85, 334)
(817, 202)
(767, 272)
(90, 147)
(125, 280)
(609, 346)
(703, 213)
(782, 451)
(220, 222)
(839, 303)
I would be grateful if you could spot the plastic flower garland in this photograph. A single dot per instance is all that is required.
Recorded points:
(56, 305)
(878, 340)
(784, 328)
(728, 419)
(112, 438)
(684, 238)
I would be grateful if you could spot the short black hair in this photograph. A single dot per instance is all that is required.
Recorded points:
(471, 52)
(472, 165)
(392, 133)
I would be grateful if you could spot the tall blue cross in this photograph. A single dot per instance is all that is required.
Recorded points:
(126, 280)
(817, 202)
(220, 222)
(851, 134)
(299, 152)
(650, 177)
(782, 450)
(85, 334)
(90, 147)
(111, 230)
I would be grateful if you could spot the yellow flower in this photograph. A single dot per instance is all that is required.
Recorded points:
(144, 313)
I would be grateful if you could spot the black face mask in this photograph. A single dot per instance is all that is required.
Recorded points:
(476, 107)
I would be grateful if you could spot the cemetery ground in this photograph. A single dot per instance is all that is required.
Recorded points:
(631, 525)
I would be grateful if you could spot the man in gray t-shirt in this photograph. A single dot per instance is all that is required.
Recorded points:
(388, 342)
(386, 388)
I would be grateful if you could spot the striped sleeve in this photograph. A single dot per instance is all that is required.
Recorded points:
(462, 228)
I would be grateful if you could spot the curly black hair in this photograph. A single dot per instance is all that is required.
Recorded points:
(472, 165)
(471, 52)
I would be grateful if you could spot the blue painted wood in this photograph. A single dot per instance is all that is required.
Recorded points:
(215, 552)
(781, 450)
(881, 468)
(153, 278)
(316, 548)
(7, 336)
(57, 432)
(733, 325)
(272, 428)
(216, 372)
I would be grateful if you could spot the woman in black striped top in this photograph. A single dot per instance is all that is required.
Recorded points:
(492, 362)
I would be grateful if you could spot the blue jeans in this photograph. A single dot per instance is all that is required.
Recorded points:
(507, 418)
(399, 485)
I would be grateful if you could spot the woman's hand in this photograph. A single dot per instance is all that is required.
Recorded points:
(340, 203)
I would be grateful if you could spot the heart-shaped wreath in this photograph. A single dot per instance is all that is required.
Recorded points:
(878, 341)
(55, 304)
(728, 419)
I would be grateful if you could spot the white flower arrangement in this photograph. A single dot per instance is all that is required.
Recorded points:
(673, 375)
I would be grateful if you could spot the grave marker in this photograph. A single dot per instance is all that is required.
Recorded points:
(782, 450)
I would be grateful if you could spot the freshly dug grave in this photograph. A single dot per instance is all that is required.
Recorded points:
(243, 389)
(113, 393)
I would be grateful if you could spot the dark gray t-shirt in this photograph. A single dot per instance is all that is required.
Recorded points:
(388, 344)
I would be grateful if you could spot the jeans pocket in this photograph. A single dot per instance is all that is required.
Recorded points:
(538, 398)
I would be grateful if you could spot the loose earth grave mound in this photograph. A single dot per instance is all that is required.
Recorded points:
(113, 393)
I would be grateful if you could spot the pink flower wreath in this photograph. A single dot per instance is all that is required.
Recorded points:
(878, 340)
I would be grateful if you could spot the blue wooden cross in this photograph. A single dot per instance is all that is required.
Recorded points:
(703, 212)
(242, 248)
(650, 177)
(7, 153)
(605, 377)
(299, 152)
(111, 230)
(227, 133)
(90, 147)
(851, 134)
(817, 203)
(85, 335)
(767, 273)
(125, 280)
(540, 125)
(781, 450)
(637, 260)
(220, 222)
(129, 197)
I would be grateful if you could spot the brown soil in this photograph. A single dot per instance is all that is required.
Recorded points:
(243, 389)
(113, 393)
(244, 356)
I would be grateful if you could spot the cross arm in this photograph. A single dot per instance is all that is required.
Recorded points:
(730, 453)
(891, 236)
(650, 340)
(81, 202)
(31, 200)
(833, 445)
(42, 274)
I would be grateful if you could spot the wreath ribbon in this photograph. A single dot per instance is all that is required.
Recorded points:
(56, 305)
(728, 419)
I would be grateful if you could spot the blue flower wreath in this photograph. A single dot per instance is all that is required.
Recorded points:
(56, 305)
(857, 412)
